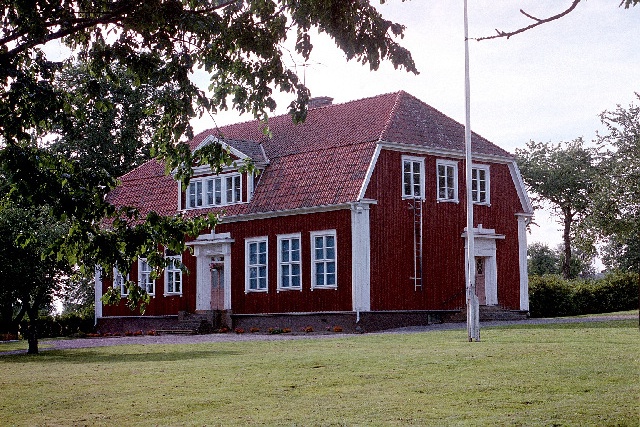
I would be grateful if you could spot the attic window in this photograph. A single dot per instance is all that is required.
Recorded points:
(214, 191)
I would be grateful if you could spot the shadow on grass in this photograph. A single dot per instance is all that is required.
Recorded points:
(82, 356)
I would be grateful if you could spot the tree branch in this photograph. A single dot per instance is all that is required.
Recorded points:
(538, 21)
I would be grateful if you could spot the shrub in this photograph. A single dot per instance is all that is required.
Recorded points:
(66, 325)
(551, 296)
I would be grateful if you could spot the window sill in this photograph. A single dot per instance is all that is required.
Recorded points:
(299, 289)
(256, 291)
(324, 287)
(447, 200)
(482, 204)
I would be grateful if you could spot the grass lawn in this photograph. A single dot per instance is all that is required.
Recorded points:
(563, 374)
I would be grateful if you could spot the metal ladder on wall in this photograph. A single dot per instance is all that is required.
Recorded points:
(417, 243)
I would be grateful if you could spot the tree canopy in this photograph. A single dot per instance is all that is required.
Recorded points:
(564, 175)
(616, 211)
(148, 50)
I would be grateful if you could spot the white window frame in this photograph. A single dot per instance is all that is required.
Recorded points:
(119, 282)
(175, 271)
(448, 165)
(212, 191)
(412, 160)
(487, 178)
(149, 283)
(249, 267)
(289, 263)
(325, 261)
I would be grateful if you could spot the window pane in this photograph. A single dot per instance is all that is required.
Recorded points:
(330, 241)
(331, 279)
(331, 267)
(210, 192)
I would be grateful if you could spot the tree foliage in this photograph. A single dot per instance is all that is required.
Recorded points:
(563, 175)
(30, 276)
(616, 213)
(543, 260)
(148, 50)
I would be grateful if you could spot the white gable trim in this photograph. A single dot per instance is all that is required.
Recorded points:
(519, 184)
(214, 140)
(367, 177)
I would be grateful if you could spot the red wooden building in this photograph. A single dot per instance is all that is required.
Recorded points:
(357, 217)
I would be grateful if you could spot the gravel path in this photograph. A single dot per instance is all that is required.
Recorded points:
(64, 344)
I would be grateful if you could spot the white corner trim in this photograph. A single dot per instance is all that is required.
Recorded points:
(527, 207)
(360, 258)
(522, 261)
(367, 177)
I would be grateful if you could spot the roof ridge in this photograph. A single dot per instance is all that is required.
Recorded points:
(389, 120)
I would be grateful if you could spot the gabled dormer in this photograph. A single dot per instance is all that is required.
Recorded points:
(231, 186)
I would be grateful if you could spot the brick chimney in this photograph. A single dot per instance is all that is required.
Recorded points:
(320, 101)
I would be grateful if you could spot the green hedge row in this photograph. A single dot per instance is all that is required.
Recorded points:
(65, 325)
(551, 295)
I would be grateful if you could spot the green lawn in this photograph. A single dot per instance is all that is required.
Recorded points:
(566, 374)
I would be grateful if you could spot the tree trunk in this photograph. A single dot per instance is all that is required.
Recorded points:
(566, 237)
(32, 331)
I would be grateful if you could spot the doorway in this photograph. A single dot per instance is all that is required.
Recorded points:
(216, 268)
(481, 292)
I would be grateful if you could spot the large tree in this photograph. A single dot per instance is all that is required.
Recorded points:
(30, 275)
(159, 44)
(563, 175)
(616, 213)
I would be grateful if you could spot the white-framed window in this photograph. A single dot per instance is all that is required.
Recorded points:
(323, 259)
(144, 276)
(289, 262)
(447, 172)
(412, 177)
(119, 280)
(173, 275)
(214, 191)
(256, 258)
(480, 184)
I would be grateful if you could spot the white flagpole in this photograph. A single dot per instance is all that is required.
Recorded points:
(473, 315)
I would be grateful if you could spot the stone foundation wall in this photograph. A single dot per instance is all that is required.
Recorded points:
(124, 324)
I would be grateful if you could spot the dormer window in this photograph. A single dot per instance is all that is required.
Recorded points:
(214, 191)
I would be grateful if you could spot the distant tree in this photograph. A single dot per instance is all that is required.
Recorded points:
(563, 175)
(616, 212)
(621, 253)
(542, 260)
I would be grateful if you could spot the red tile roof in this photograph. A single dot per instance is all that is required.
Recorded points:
(320, 162)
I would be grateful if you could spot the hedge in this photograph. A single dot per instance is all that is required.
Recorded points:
(552, 296)
(62, 326)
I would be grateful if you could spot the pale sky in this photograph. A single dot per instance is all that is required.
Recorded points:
(548, 84)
